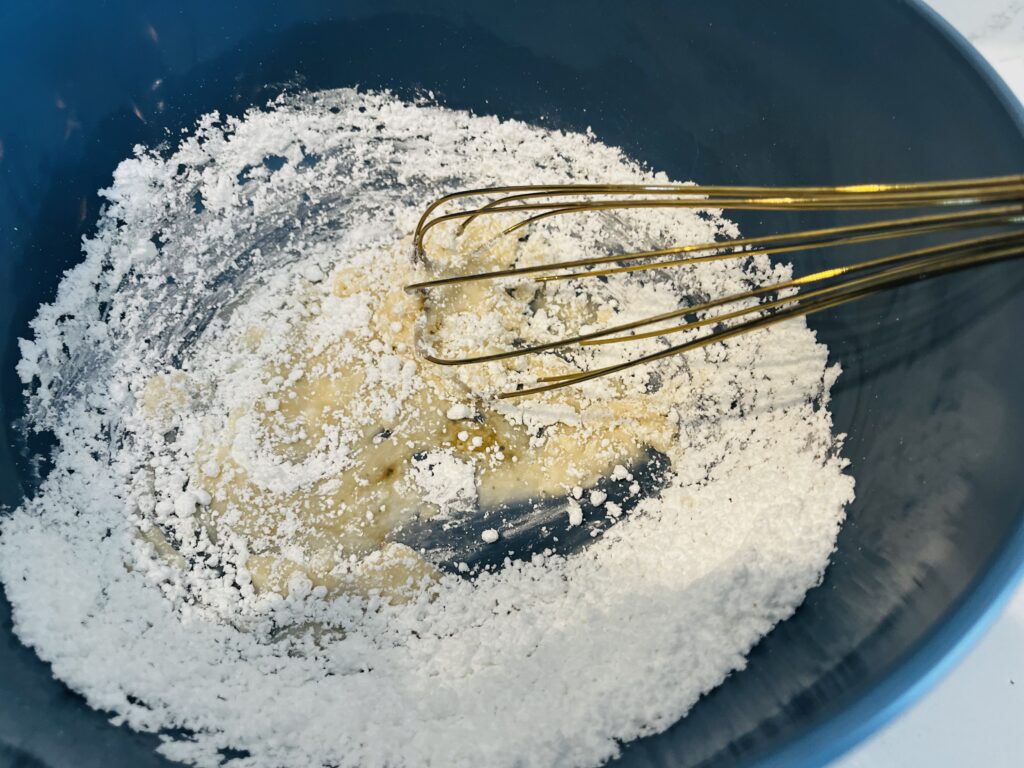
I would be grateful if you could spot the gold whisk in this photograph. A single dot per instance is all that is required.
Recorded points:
(983, 203)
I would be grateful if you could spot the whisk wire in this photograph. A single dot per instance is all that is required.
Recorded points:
(798, 310)
(976, 204)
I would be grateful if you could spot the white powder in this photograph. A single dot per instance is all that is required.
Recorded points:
(459, 411)
(744, 528)
(575, 513)
(445, 481)
(489, 536)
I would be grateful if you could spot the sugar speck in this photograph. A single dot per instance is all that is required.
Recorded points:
(489, 536)
(459, 411)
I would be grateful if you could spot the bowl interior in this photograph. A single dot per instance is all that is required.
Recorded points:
(798, 92)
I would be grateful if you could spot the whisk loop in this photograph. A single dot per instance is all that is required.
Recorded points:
(983, 203)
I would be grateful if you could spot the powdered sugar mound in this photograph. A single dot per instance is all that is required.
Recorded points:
(245, 215)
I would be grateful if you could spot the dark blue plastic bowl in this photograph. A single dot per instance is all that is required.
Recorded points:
(771, 93)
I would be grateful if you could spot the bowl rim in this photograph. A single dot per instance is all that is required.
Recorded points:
(933, 657)
(920, 669)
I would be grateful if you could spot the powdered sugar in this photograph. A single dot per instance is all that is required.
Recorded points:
(445, 481)
(201, 245)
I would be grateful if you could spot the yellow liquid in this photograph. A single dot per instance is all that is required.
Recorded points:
(336, 530)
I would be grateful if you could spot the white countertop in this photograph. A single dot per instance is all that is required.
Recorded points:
(975, 716)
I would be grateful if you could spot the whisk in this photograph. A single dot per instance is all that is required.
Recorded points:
(980, 204)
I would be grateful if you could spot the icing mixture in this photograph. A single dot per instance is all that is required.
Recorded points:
(247, 431)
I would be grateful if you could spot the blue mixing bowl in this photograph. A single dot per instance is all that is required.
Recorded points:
(721, 92)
